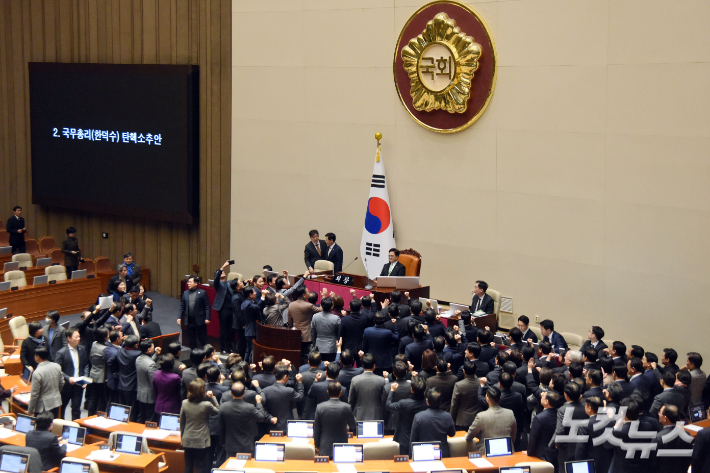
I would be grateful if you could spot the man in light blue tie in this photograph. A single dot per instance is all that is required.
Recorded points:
(394, 267)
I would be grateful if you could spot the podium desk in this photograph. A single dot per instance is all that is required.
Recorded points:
(7, 382)
(33, 303)
(386, 465)
(359, 283)
(125, 463)
(17, 439)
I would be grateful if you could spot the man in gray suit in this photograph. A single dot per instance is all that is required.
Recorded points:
(444, 381)
(145, 370)
(669, 396)
(566, 450)
(493, 422)
(333, 420)
(47, 383)
(464, 403)
(366, 389)
(241, 417)
(280, 398)
(325, 330)
(698, 377)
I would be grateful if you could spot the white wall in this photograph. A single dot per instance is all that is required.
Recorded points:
(583, 192)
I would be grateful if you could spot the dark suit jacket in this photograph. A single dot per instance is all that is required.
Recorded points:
(444, 383)
(279, 399)
(626, 388)
(433, 425)
(150, 330)
(378, 341)
(64, 360)
(352, 328)
(529, 334)
(47, 444)
(600, 347)
(58, 341)
(595, 391)
(415, 350)
(542, 430)
(111, 377)
(701, 452)
(600, 455)
(668, 396)
(317, 394)
(202, 306)
(333, 420)
(124, 364)
(113, 281)
(398, 270)
(310, 254)
(224, 292)
(670, 464)
(488, 355)
(407, 409)
(236, 425)
(557, 341)
(13, 224)
(487, 304)
(251, 313)
(335, 257)
(347, 374)
(619, 462)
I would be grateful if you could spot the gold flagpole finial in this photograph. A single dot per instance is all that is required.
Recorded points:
(378, 137)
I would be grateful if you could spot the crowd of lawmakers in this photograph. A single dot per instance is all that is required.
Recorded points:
(396, 362)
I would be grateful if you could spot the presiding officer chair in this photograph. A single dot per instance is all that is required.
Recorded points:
(495, 295)
(412, 261)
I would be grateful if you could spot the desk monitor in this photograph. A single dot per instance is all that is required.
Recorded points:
(434, 304)
(498, 447)
(347, 453)
(5, 250)
(3, 313)
(385, 281)
(426, 451)
(169, 421)
(5, 286)
(74, 467)
(74, 436)
(40, 280)
(119, 412)
(126, 443)
(584, 466)
(696, 413)
(79, 274)
(270, 273)
(454, 307)
(514, 469)
(407, 282)
(374, 429)
(13, 462)
(299, 429)
(24, 423)
(44, 262)
(269, 452)
(11, 266)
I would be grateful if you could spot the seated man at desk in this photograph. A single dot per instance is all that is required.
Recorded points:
(481, 300)
(50, 448)
(394, 267)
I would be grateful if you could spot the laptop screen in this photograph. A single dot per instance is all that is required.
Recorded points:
(586, 466)
(74, 435)
(169, 421)
(426, 451)
(24, 423)
(299, 428)
(513, 469)
(119, 412)
(74, 467)
(128, 444)
(269, 452)
(498, 447)
(347, 453)
(374, 429)
(697, 413)
(14, 462)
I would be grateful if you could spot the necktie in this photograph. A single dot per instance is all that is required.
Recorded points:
(478, 304)
(317, 248)
(329, 248)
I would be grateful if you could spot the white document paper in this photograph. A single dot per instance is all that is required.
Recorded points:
(22, 397)
(695, 428)
(299, 440)
(6, 433)
(156, 434)
(105, 302)
(346, 468)
(235, 464)
(102, 455)
(105, 423)
(72, 446)
(14, 357)
(427, 466)
(481, 462)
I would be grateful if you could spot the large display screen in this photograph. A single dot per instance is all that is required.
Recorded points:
(116, 138)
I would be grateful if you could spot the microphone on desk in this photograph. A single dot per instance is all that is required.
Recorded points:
(350, 263)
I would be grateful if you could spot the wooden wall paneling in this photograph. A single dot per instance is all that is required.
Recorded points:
(164, 38)
(149, 23)
(18, 119)
(65, 30)
(225, 104)
(205, 118)
(125, 22)
(137, 31)
(102, 38)
(182, 37)
(92, 33)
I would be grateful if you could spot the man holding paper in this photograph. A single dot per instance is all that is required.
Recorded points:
(74, 362)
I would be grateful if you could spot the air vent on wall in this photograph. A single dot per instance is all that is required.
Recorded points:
(506, 304)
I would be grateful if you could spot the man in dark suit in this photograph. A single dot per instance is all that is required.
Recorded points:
(481, 300)
(543, 428)
(308, 378)
(547, 327)
(195, 312)
(223, 305)
(315, 249)
(433, 424)
(75, 363)
(700, 461)
(594, 384)
(621, 378)
(378, 341)
(624, 441)
(333, 419)
(668, 416)
(513, 401)
(279, 397)
(415, 349)
(237, 422)
(334, 253)
(15, 226)
(407, 408)
(347, 373)
(566, 450)
(50, 449)
(587, 449)
(488, 352)
(352, 327)
(594, 340)
(124, 363)
(668, 397)
(523, 325)
(394, 267)
(318, 393)
(121, 276)
(54, 334)
(148, 328)
(444, 381)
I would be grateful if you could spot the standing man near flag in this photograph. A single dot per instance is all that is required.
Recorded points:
(315, 250)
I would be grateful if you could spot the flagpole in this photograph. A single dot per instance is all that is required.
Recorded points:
(378, 137)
